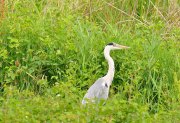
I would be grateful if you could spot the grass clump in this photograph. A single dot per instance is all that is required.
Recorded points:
(52, 51)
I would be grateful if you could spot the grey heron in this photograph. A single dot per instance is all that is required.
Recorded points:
(100, 89)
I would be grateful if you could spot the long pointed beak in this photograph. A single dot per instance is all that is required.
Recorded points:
(121, 46)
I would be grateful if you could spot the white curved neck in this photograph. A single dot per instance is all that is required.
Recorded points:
(110, 74)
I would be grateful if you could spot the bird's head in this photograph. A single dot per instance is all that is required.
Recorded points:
(114, 46)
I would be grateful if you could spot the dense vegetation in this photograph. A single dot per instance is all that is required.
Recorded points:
(51, 52)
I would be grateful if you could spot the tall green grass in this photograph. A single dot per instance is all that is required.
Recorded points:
(52, 52)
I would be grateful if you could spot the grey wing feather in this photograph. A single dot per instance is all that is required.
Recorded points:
(97, 90)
